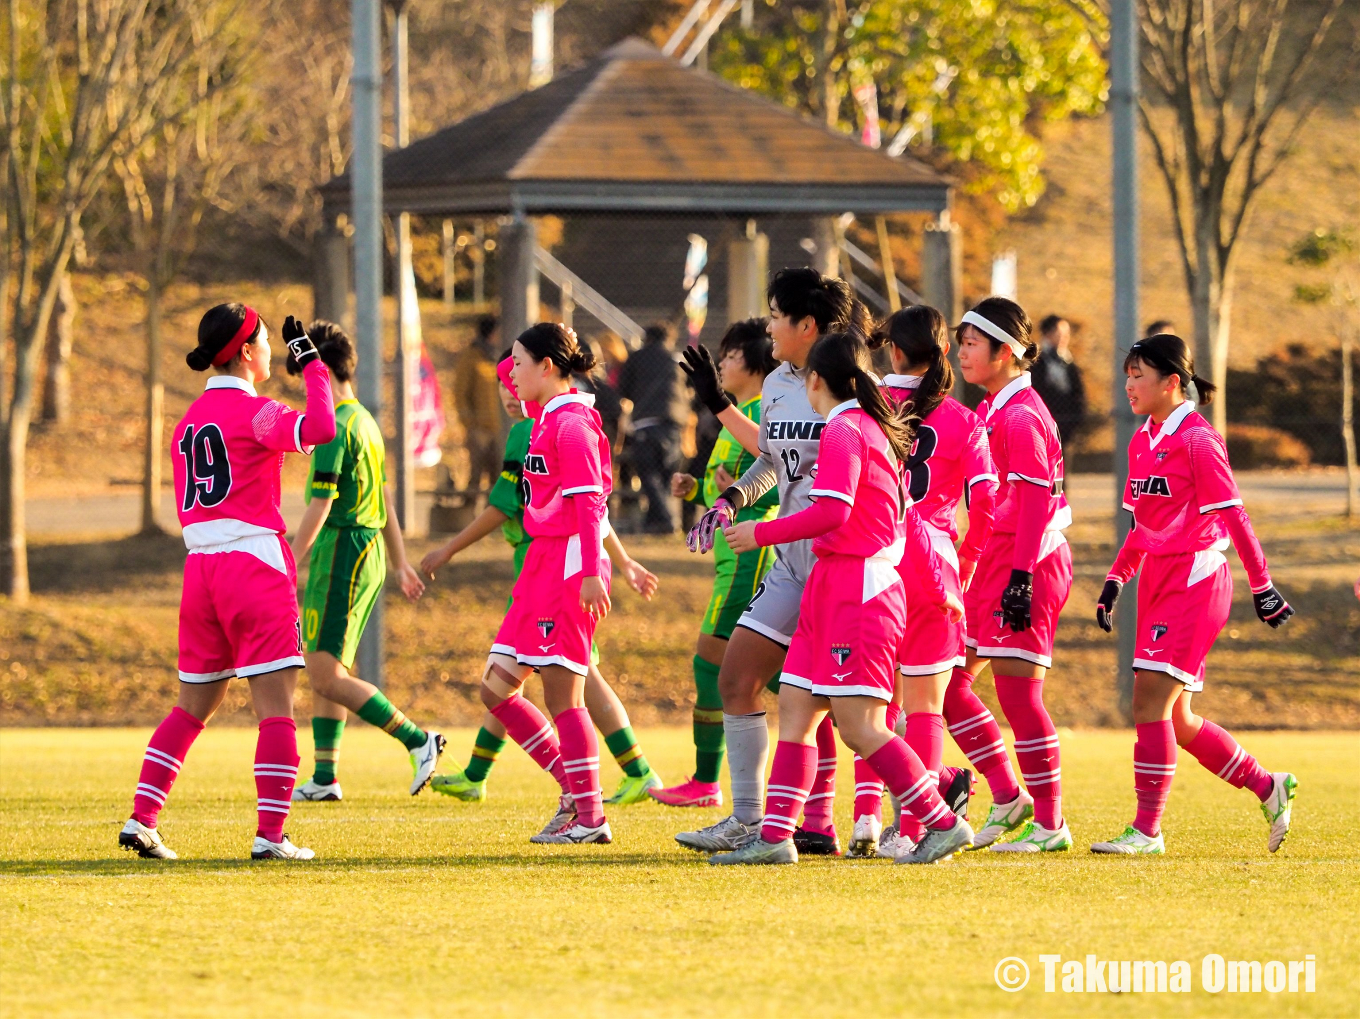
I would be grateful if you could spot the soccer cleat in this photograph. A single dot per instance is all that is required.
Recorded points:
(939, 844)
(893, 844)
(864, 839)
(1003, 818)
(1034, 838)
(576, 834)
(959, 792)
(423, 760)
(759, 851)
(564, 818)
(689, 793)
(724, 837)
(1277, 807)
(316, 792)
(635, 790)
(263, 849)
(816, 843)
(459, 786)
(145, 841)
(1131, 843)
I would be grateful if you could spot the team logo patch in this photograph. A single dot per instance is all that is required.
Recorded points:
(546, 626)
(1161, 454)
(840, 652)
(1158, 632)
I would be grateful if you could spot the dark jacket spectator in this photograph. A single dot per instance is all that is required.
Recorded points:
(652, 380)
(1057, 379)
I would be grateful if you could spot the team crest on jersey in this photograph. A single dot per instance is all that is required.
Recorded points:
(1155, 485)
(1161, 454)
(1158, 632)
(546, 626)
(840, 652)
(534, 463)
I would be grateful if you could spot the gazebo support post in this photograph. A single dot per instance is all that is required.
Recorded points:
(748, 265)
(518, 276)
(330, 276)
(828, 256)
(942, 278)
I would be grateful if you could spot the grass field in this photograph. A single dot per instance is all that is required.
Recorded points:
(432, 907)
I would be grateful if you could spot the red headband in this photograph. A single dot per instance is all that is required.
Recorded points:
(246, 331)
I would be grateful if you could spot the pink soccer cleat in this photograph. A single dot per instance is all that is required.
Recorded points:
(689, 793)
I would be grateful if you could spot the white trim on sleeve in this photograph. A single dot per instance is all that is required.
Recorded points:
(848, 499)
(1016, 476)
(1220, 505)
(584, 489)
(982, 477)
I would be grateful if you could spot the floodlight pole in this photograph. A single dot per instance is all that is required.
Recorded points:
(1124, 89)
(406, 353)
(366, 178)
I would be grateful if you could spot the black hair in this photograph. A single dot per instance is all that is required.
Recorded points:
(486, 325)
(1050, 323)
(658, 332)
(1161, 325)
(842, 361)
(752, 338)
(1167, 354)
(334, 346)
(803, 291)
(1010, 317)
(215, 330)
(552, 341)
(921, 334)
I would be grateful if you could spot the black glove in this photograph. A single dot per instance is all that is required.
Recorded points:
(301, 349)
(1015, 600)
(1105, 604)
(1271, 608)
(703, 376)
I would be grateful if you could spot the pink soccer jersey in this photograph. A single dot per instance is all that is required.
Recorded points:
(567, 472)
(228, 456)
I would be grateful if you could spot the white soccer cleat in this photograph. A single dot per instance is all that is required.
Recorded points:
(1035, 838)
(758, 851)
(1003, 818)
(893, 844)
(146, 842)
(939, 844)
(424, 759)
(577, 834)
(1131, 843)
(726, 836)
(864, 840)
(315, 792)
(564, 818)
(1278, 806)
(263, 849)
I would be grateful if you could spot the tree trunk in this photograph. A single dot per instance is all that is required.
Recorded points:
(1347, 420)
(1211, 307)
(155, 412)
(60, 333)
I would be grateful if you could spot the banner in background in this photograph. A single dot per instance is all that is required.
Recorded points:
(427, 406)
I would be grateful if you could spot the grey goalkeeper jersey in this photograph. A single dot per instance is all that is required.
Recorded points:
(790, 432)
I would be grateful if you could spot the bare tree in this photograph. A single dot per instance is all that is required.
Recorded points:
(1232, 84)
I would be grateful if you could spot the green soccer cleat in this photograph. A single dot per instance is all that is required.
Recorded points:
(758, 851)
(634, 790)
(1277, 807)
(1034, 838)
(459, 786)
(1131, 843)
(1003, 818)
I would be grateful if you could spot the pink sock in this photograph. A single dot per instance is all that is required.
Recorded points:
(868, 791)
(581, 759)
(276, 768)
(1036, 745)
(791, 776)
(164, 757)
(1154, 766)
(817, 813)
(978, 736)
(527, 727)
(1220, 753)
(906, 776)
(925, 736)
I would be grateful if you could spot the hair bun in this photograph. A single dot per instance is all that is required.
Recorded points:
(198, 359)
(582, 360)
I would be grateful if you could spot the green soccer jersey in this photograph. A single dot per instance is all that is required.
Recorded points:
(729, 454)
(351, 468)
(507, 494)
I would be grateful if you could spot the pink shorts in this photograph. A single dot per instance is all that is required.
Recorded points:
(238, 615)
(931, 643)
(988, 634)
(545, 624)
(1183, 604)
(850, 624)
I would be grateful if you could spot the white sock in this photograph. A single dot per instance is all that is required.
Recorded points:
(748, 748)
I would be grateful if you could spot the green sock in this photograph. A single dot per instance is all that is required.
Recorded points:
(485, 749)
(709, 743)
(378, 710)
(624, 746)
(326, 733)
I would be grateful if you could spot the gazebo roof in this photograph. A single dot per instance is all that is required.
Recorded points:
(633, 131)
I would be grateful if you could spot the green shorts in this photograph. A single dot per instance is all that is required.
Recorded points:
(734, 586)
(510, 600)
(348, 569)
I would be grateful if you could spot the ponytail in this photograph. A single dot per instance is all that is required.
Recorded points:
(922, 335)
(841, 360)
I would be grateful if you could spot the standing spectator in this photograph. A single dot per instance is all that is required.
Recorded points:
(1162, 325)
(651, 380)
(607, 403)
(1058, 380)
(479, 404)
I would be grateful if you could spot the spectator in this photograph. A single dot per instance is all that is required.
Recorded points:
(1162, 325)
(651, 379)
(477, 400)
(1058, 380)
(607, 403)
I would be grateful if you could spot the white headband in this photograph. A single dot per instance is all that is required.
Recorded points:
(972, 318)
